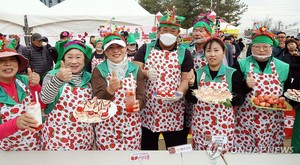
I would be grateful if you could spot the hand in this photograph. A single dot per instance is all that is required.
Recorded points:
(250, 81)
(64, 74)
(114, 83)
(27, 121)
(152, 74)
(191, 77)
(136, 106)
(33, 78)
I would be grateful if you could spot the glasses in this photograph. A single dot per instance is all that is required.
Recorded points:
(258, 47)
(280, 37)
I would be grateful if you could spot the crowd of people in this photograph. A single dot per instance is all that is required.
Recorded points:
(73, 71)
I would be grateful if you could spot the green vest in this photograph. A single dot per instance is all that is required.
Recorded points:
(224, 70)
(132, 68)
(282, 68)
(86, 78)
(181, 51)
(5, 99)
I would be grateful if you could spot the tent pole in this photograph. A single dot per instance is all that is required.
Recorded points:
(26, 31)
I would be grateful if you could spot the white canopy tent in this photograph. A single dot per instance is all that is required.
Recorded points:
(79, 16)
(13, 11)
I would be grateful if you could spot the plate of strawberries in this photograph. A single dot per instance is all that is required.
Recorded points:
(165, 93)
(270, 102)
(95, 110)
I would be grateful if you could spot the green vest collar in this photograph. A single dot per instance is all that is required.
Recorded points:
(221, 71)
(6, 99)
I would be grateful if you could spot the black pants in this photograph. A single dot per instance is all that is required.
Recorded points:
(150, 139)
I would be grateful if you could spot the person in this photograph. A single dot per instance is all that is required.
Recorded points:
(18, 47)
(111, 79)
(17, 92)
(65, 35)
(295, 143)
(241, 44)
(51, 49)
(237, 53)
(38, 55)
(256, 129)
(217, 120)
(92, 43)
(291, 55)
(63, 89)
(201, 32)
(98, 56)
(164, 64)
(132, 46)
(278, 50)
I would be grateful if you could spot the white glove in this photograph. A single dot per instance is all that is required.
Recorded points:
(152, 74)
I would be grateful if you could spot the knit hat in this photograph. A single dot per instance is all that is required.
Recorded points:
(64, 46)
(7, 52)
(264, 36)
(205, 23)
(113, 38)
(171, 20)
(131, 39)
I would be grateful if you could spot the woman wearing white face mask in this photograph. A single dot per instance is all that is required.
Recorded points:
(258, 129)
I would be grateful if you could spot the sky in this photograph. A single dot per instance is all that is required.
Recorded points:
(288, 11)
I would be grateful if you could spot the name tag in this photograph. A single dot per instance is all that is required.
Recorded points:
(221, 139)
(180, 149)
(140, 156)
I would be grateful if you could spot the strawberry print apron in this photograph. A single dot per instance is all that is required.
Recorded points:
(259, 129)
(199, 62)
(61, 131)
(212, 123)
(123, 130)
(23, 140)
(96, 61)
(161, 115)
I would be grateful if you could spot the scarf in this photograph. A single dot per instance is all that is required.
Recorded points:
(120, 68)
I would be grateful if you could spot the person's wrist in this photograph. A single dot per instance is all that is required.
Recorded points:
(110, 91)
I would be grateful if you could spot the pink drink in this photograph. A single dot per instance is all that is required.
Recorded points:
(129, 100)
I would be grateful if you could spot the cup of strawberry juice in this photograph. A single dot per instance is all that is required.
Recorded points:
(129, 100)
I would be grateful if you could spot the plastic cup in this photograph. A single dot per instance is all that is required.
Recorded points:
(129, 100)
(34, 109)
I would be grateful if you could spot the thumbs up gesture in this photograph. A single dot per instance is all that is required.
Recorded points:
(33, 78)
(191, 77)
(114, 83)
(250, 81)
(64, 74)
